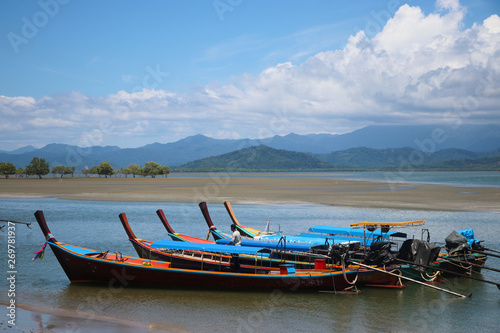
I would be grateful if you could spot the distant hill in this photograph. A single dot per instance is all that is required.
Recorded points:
(258, 158)
(57, 148)
(477, 138)
(394, 157)
(25, 149)
(382, 146)
(263, 158)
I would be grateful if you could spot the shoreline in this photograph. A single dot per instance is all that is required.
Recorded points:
(265, 190)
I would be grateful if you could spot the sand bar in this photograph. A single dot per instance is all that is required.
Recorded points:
(241, 190)
(48, 319)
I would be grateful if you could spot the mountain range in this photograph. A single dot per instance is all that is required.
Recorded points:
(263, 158)
(367, 147)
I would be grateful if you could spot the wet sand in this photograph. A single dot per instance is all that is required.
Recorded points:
(240, 190)
(32, 318)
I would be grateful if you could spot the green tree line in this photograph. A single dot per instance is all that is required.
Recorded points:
(37, 166)
(151, 169)
(40, 167)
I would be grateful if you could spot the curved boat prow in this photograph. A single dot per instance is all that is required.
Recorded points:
(43, 225)
(244, 230)
(230, 211)
(217, 234)
(163, 219)
(126, 226)
(206, 215)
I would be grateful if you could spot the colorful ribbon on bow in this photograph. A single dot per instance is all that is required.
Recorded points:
(39, 254)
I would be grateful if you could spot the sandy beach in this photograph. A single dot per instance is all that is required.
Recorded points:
(241, 190)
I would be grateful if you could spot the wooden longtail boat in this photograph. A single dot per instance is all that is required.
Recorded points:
(278, 252)
(293, 243)
(442, 264)
(316, 235)
(323, 250)
(223, 238)
(462, 256)
(83, 265)
(462, 263)
(221, 257)
(177, 258)
(244, 230)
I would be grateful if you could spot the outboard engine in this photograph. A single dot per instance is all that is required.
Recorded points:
(340, 253)
(380, 254)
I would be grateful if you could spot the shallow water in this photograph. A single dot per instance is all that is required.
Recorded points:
(96, 225)
(451, 178)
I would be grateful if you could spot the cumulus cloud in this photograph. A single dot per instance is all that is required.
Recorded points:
(419, 68)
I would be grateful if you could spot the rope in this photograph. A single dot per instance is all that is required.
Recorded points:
(39, 254)
(429, 278)
(345, 275)
(468, 267)
(399, 273)
(458, 263)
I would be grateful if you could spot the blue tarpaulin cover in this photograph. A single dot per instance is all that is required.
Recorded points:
(344, 231)
(469, 234)
(270, 244)
(217, 248)
(314, 239)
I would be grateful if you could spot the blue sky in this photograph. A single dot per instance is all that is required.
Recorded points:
(129, 73)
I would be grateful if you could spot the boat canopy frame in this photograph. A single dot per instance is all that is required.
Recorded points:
(386, 224)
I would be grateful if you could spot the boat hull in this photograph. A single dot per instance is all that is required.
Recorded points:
(463, 264)
(86, 269)
(248, 263)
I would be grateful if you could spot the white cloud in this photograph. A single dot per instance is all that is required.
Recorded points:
(49, 122)
(417, 69)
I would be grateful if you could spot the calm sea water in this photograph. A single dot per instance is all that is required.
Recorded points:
(96, 225)
(453, 178)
